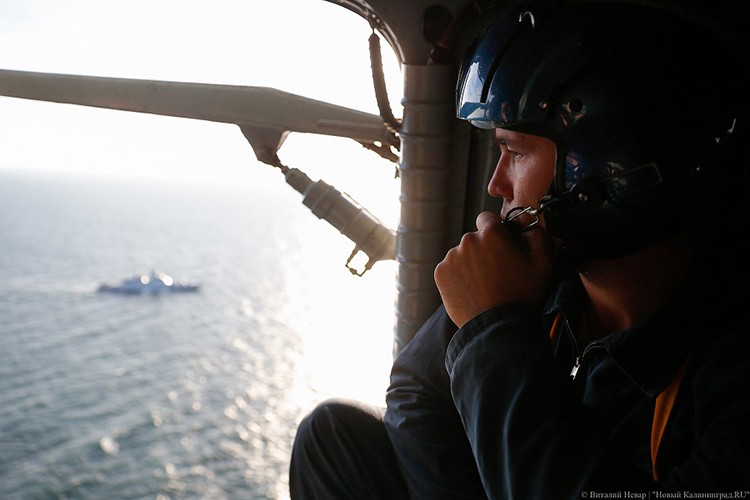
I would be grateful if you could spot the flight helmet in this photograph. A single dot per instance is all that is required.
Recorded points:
(642, 103)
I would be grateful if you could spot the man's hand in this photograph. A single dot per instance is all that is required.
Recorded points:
(493, 266)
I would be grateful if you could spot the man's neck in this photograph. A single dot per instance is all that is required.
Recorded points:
(624, 292)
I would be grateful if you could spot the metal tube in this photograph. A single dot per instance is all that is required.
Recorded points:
(353, 221)
(425, 175)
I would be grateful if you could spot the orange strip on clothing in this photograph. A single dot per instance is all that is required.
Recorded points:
(662, 410)
(554, 332)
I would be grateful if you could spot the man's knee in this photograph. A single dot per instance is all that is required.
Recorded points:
(342, 450)
(336, 419)
(318, 418)
(322, 423)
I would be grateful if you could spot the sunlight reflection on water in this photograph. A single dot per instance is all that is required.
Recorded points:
(177, 396)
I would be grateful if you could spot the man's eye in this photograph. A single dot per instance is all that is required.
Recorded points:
(502, 146)
(504, 149)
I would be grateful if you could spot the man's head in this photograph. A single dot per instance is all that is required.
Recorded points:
(641, 104)
(524, 171)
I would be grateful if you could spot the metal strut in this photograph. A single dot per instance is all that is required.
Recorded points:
(425, 178)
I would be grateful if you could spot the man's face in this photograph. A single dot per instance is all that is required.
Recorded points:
(524, 173)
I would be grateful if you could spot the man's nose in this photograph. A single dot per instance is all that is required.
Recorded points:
(500, 185)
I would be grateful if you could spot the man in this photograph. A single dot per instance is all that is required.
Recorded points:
(601, 345)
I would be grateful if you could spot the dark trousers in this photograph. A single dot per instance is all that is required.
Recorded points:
(347, 450)
(342, 451)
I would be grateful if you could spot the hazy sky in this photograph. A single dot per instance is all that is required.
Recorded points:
(307, 47)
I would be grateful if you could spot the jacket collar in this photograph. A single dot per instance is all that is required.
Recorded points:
(650, 353)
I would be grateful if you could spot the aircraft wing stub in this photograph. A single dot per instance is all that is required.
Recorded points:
(245, 106)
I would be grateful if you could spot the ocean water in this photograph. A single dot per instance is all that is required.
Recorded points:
(178, 396)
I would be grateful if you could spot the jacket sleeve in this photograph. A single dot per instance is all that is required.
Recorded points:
(422, 422)
(529, 435)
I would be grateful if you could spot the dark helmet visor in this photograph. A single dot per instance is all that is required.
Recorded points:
(480, 97)
(516, 74)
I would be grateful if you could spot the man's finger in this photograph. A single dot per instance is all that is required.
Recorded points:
(486, 220)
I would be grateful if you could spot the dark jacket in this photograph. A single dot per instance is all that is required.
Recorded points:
(492, 410)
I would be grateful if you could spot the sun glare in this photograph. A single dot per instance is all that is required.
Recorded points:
(265, 342)
(231, 42)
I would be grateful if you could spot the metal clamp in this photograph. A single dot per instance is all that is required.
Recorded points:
(515, 213)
